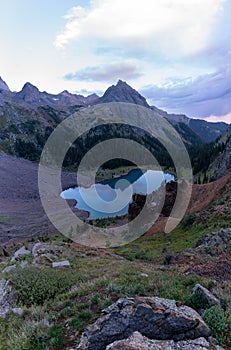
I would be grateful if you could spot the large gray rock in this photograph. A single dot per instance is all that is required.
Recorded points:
(8, 297)
(138, 342)
(41, 248)
(206, 295)
(19, 253)
(156, 318)
(64, 263)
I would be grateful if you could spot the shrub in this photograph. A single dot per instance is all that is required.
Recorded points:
(56, 335)
(35, 286)
(215, 319)
(197, 302)
(188, 220)
(80, 321)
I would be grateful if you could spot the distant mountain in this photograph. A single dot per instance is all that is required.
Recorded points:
(3, 85)
(30, 97)
(29, 115)
(193, 131)
(29, 94)
(206, 130)
(122, 92)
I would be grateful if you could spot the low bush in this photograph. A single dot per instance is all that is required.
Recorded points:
(216, 320)
(35, 286)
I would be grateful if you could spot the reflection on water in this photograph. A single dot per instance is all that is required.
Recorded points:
(111, 197)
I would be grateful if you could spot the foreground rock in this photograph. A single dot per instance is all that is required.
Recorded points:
(155, 318)
(138, 342)
(41, 248)
(206, 295)
(64, 263)
(8, 297)
(20, 253)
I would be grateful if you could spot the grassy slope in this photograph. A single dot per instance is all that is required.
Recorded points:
(71, 299)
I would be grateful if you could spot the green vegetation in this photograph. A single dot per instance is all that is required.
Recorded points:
(219, 322)
(59, 303)
(36, 286)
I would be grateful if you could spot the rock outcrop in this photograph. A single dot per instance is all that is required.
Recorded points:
(138, 200)
(8, 297)
(138, 342)
(41, 248)
(215, 243)
(20, 253)
(222, 163)
(3, 85)
(206, 295)
(135, 207)
(153, 317)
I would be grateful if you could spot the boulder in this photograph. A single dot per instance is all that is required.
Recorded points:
(24, 264)
(138, 342)
(144, 275)
(19, 253)
(155, 318)
(206, 295)
(8, 297)
(41, 248)
(64, 263)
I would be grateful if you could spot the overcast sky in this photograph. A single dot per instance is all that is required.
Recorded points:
(177, 53)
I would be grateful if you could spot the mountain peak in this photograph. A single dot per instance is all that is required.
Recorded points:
(28, 86)
(122, 83)
(29, 93)
(3, 85)
(122, 92)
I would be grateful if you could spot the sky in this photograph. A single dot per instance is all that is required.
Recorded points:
(176, 53)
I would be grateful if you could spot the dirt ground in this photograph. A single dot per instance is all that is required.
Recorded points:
(21, 211)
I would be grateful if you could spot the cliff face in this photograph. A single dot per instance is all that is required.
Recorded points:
(138, 201)
(222, 163)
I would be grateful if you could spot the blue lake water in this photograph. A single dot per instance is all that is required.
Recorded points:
(110, 198)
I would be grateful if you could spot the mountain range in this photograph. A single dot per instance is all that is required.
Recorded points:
(30, 116)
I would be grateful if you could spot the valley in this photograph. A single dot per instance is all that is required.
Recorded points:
(52, 288)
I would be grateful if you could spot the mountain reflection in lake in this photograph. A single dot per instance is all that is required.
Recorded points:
(110, 198)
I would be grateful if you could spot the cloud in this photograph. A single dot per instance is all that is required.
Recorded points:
(172, 27)
(225, 118)
(86, 92)
(204, 96)
(106, 73)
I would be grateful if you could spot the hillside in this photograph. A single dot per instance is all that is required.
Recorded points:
(222, 163)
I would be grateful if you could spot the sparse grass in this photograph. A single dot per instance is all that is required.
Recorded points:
(96, 282)
(66, 301)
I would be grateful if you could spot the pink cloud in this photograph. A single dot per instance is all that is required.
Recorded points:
(222, 118)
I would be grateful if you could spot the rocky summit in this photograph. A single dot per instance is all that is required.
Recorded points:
(122, 92)
(3, 85)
